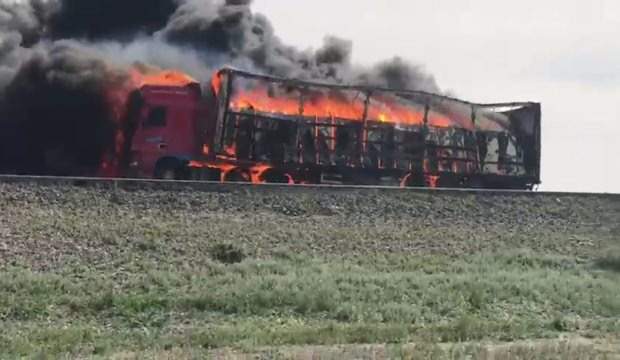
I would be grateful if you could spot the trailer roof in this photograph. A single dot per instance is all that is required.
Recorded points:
(370, 89)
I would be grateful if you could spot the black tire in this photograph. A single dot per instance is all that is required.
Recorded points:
(168, 169)
(237, 176)
(275, 177)
(413, 180)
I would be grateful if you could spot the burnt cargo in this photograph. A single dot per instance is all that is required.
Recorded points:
(305, 132)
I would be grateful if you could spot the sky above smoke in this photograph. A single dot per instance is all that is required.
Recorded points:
(564, 54)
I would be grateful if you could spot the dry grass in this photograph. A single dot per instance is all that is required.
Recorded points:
(88, 272)
(562, 349)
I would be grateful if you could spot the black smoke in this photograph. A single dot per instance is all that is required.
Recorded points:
(59, 59)
(109, 19)
(58, 113)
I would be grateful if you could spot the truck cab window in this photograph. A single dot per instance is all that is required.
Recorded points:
(157, 117)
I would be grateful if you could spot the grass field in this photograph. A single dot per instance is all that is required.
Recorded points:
(89, 272)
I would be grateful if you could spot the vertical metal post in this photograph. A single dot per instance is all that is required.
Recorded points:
(333, 133)
(317, 145)
(301, 121)
(424, 160)
(363, 136)
(229, 81)
(478, 164)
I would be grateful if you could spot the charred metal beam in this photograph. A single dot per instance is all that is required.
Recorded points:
(369, 89)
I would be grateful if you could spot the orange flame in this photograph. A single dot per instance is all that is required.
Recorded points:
(225, 169)
(161, 78)
(216, 83)
(257, 172)
(231, 151)
(258, 100)
(381, 109)
(432, 181)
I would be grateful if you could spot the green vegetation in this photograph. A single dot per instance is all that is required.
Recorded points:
(87, 273)
(292, 300)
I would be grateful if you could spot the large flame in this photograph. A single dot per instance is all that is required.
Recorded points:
(161, 78)
(381, 109)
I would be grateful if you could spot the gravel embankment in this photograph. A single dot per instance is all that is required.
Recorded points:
(48, 226)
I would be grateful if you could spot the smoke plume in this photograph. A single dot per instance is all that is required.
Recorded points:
(60, 61)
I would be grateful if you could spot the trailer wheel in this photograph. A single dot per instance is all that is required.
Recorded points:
(168, 169)
(273, 176)
(237, 176)
(413, 180)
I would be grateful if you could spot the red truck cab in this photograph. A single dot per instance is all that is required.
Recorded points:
(167, 131)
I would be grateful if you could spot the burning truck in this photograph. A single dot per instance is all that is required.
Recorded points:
(246, 127)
